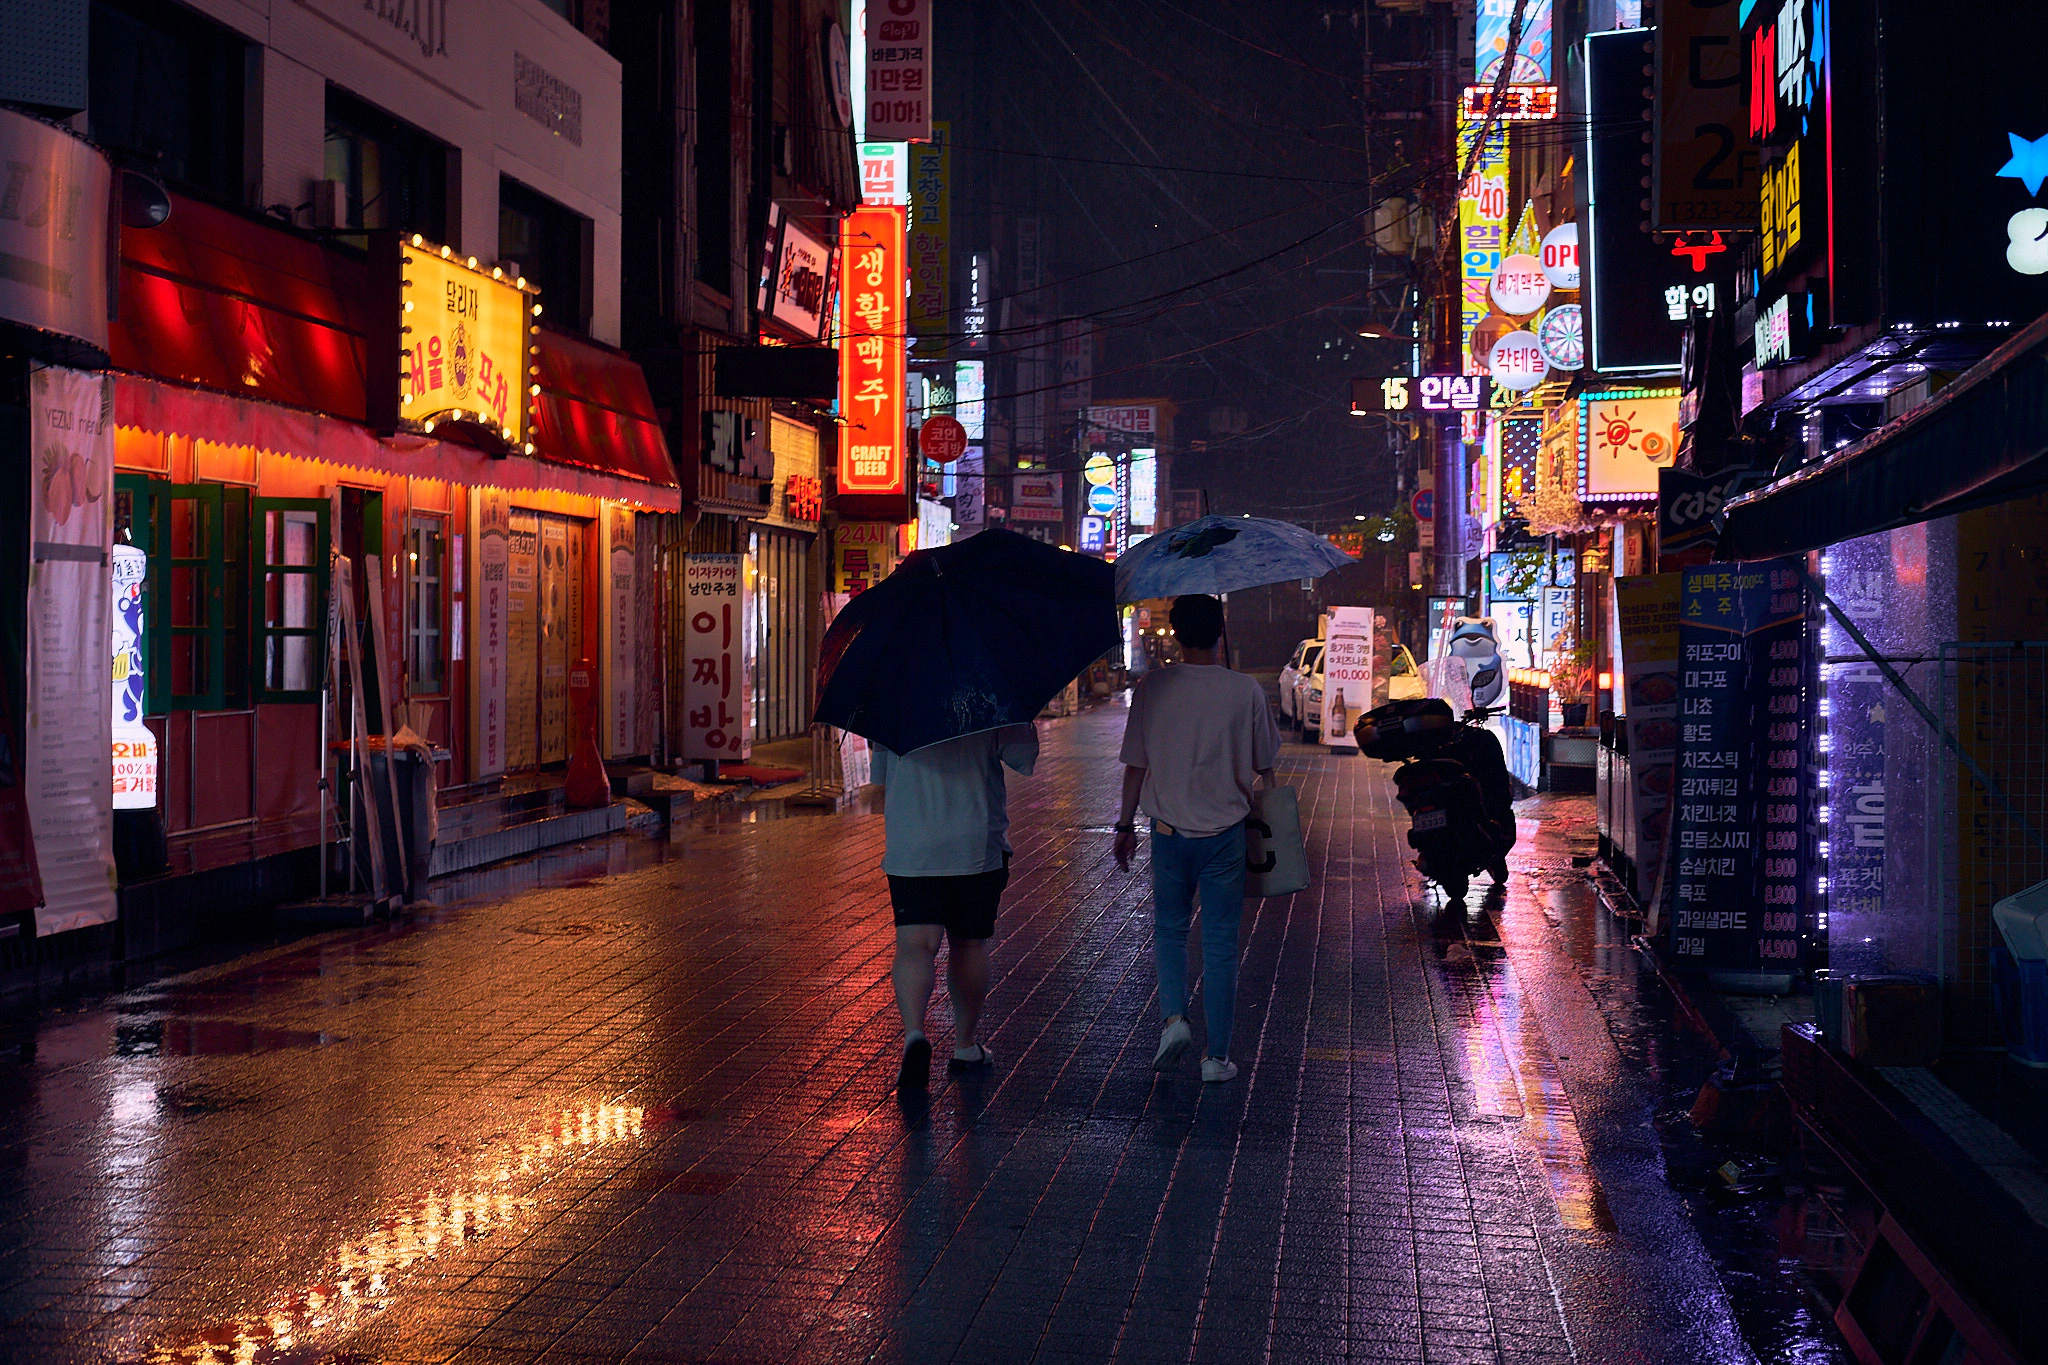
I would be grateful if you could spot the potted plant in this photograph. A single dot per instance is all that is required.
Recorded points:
(1571, 679)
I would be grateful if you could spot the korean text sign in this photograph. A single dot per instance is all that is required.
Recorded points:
(1482, 227)
(863, 554)
(1347, 674)
(1740, 800)
(465, 344)
(898, 56)
(928, 256)
(718, 691)
(1421, 393)
(871, 445)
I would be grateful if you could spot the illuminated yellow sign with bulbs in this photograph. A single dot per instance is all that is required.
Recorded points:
(469, 332)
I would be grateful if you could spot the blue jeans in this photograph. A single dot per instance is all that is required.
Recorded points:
(1179, 865)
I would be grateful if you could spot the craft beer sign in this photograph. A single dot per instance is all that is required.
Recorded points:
(872, 454)
(466, 337)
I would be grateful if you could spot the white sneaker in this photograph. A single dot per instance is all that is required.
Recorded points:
(1173, 1044)
(1218, 1069)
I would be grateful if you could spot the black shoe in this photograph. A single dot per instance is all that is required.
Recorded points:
(1499, 871)
(957, 1065)
(916, 1071)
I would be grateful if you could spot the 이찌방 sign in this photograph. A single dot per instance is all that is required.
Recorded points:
(464, 352)
(871, 444)
(718, 685)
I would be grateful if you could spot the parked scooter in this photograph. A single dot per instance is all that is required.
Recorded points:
(1456, 827)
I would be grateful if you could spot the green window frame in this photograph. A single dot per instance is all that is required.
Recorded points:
(288, 586)
(140, 505)
(193, 551)
(194, 595)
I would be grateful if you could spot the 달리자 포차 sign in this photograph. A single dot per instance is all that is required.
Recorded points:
(465, 343)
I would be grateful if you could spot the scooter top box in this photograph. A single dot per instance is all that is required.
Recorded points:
(1405, 729)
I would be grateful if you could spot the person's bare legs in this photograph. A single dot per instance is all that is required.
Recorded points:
(967, 973)
(917, 949)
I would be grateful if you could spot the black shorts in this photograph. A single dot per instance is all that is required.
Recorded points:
(965, 906)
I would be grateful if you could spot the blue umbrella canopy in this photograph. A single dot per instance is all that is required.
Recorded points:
(1215, 555)
(965, 637)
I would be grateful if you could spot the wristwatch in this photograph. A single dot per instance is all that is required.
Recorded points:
(1126, 827)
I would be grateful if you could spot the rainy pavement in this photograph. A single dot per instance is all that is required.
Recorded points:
(643, 1111)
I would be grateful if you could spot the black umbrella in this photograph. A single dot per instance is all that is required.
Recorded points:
(965, 637)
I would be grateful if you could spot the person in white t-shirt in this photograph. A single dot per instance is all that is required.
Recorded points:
(945, 822)
(1197, 737)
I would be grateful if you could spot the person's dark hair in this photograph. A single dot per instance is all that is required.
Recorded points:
(1197, 621)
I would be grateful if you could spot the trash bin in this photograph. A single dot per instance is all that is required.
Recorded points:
(2019, 978)
(408, 844)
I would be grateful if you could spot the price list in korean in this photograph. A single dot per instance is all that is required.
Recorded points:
(1778, 694)
(1742, 854)
(1713, 918)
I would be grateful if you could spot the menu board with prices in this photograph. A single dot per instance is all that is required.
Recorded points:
(1780, 714)
(1740, 816)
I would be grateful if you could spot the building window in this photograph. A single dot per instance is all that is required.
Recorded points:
(552, 246)
(166, 90)
(427, 555)
(196, 594)
(714, 153)
(290, 594)
(393, 175)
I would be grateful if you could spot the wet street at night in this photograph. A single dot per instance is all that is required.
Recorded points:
(648, 1115)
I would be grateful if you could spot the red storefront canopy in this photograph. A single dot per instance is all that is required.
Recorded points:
(218, 304)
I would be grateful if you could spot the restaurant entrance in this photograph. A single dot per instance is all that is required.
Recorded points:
(545, 636)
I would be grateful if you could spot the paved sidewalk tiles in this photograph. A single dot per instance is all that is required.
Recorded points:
(648, 1117)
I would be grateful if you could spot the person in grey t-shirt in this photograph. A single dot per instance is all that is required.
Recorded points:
(945, 825)
(1198, 739)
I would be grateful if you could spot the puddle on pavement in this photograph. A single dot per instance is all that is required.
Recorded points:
(209, 1038)
(363, 1277)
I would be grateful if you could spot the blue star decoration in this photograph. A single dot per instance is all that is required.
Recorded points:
(2029, 161)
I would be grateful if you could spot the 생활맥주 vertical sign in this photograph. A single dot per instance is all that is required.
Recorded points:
(871, 303)
(1740, 810)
